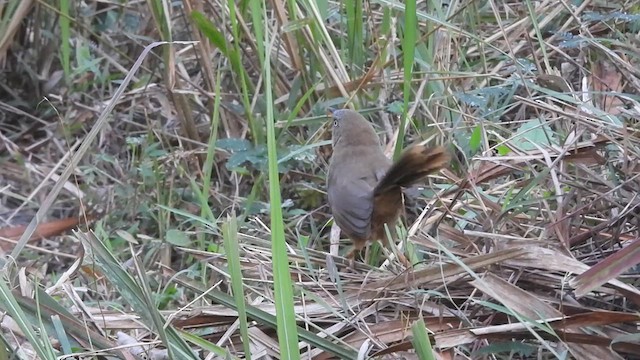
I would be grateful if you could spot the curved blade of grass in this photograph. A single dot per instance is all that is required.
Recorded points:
(176, 347)
(39, 342)
(321, 37)
(236, 59)
(133, 293)
(50, 308)
(296, 109)
(209, 30)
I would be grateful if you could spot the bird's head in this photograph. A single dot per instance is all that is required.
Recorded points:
(351, 129)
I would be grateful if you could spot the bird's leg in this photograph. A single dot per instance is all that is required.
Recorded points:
(388, 241)
(351, 255)
(403, 259)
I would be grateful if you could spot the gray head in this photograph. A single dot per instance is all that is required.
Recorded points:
(351, 129)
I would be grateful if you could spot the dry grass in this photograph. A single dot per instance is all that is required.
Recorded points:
(525, 247)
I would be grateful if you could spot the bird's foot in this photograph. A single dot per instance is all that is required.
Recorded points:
(404, 261)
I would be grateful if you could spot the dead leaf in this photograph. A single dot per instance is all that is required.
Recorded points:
(606, 80)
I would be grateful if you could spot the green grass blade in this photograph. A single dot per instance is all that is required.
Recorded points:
(259, 31)
(267, 319)
(133, 293)
(285, 315)
(355, 34)
(65, 38)
(65, 344)
(207, 345)
(209, 30)
(230, 236)
(39, 342)
(202, 195)
(50, 309)
(409, 48)
(421, 341)
(236, 61)
(234, 54)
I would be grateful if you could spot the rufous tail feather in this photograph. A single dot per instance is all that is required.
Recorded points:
(415, 163)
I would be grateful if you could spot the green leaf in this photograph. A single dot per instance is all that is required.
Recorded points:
(177, 238)
(396, 107)
(234, 144)
(533, 132)
(255, 156)
(476, 138)
(503, 150)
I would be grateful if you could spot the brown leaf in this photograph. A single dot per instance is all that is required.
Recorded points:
(553, 260)
(606, 79)
(43, 230)
(417, 279)
(553, 82)
(607, 269)
(517, 299)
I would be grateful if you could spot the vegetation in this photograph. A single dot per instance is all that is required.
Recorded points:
(162, 171)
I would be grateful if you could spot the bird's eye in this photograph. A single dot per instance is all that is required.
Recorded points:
(335, 123)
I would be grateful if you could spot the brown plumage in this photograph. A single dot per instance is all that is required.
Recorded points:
(364, 186)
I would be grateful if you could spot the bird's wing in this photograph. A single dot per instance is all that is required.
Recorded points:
(352, 205)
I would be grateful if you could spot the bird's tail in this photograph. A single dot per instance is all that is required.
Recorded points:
(415, 163)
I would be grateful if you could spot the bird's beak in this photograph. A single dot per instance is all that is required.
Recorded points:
(330, 111)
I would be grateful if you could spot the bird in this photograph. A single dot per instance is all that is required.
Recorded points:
(364, 186)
